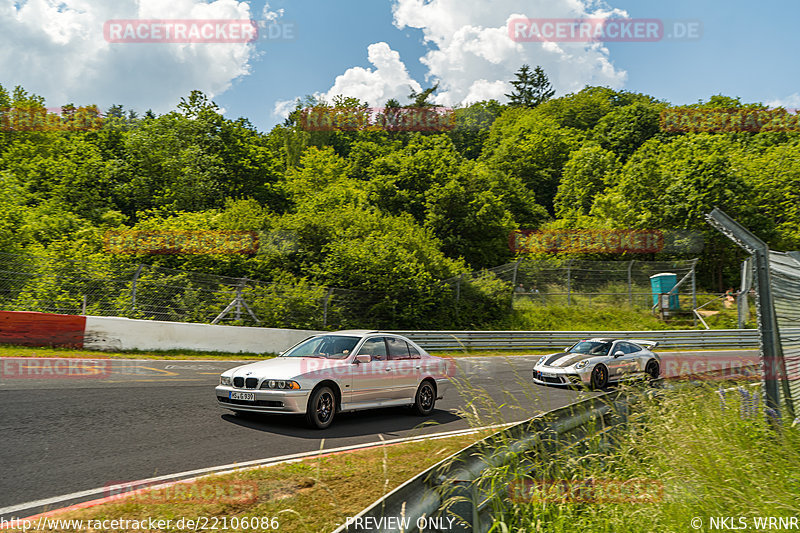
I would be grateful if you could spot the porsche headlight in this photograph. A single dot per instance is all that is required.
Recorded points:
(225, 380)
(581, 364)
(541, 360)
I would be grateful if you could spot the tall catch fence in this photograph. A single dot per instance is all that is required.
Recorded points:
(68, 286)
(573, 282)
(473, 300)
(776, 279)
(785, 283)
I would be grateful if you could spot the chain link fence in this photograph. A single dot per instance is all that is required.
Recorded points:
(785, 283)
(67, 286)
(776, 278)
(127, 289)
(586, 283)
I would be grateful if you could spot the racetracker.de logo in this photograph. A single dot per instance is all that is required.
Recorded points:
(692, 120)
(586, 241)
(180, 31)
(38, 118)
(181, 242)
(392, 119)
(34, 368)
(588, 30)
(439, 367)
(158, 493)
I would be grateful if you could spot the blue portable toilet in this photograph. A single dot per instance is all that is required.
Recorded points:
(662, 284)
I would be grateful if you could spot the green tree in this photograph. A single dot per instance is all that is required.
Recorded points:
(474, 212)
(673, 185)
(587, 173)
(420, 99)
(533, 148)
(472, 127)
(530, 88)
(626, 128)
(400, 181)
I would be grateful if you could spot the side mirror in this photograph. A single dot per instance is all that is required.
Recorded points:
(363, 358)
(618, 354)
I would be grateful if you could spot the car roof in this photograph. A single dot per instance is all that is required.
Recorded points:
(601, 339)
(351, 332)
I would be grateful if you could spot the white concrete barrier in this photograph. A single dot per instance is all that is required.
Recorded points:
(114, 333)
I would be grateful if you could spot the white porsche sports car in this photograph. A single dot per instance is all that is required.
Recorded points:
(598, 362)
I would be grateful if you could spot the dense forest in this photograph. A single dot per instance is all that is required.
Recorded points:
(393, 211)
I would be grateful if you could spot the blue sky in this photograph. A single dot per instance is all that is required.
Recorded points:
(379, 49)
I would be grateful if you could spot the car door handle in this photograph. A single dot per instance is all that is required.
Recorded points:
(388, 369)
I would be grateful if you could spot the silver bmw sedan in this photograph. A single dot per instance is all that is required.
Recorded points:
(335, 372)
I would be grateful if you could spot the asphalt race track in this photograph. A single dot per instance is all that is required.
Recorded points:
(143, 418)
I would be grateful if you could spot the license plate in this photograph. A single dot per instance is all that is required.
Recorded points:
(247, 396)
(548, 375)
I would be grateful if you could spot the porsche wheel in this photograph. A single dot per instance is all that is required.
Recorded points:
(652, 369)
(599, 377)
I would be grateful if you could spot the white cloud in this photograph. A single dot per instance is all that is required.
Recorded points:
(386, 79)
(472, 54)
(389, 78)
(282, 108)
(790, 102)
(56, 48)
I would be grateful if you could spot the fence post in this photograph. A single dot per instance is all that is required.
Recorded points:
(514, 283)
(239, 299)
(771, 349)
(630, 283)
(694, 293)
(458, 295)
(133, 286)
(742, 305)
(569, 282)
(325, 307)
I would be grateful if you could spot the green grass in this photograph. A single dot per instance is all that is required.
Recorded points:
(682, 457)
(312, 495)
(7, 350)
(532, 316)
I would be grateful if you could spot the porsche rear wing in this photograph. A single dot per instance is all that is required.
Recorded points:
(647, 344)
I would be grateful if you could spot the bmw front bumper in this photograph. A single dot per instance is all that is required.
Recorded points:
(266, 400)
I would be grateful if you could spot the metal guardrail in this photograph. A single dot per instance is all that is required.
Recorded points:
(421, 501)
(447, 493)
(539, 340)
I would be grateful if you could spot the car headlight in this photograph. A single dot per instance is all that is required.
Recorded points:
(225, 380)
(581, 364)
(279, 384)
(541, 360)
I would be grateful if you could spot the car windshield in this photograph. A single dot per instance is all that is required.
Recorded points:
(591, 348)
(328, 346)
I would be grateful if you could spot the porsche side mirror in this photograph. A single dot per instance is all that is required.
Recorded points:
(363, 358)
(618, 354)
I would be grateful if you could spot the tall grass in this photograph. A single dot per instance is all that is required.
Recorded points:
(685, 454)
(532, 316)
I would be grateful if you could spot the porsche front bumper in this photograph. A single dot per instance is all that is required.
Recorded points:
(549, 375)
